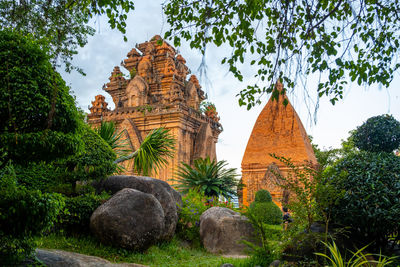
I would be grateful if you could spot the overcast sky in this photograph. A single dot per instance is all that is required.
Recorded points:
(106, 49)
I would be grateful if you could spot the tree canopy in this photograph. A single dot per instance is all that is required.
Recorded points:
(342, 41)
(62, 23)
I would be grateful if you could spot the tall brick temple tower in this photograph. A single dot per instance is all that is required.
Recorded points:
(158, 94)
(278, 130)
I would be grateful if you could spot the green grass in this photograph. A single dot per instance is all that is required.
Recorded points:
(166, 254)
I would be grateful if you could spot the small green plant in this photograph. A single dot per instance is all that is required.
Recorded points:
(261, 249)
(264, 209)
(188, 228)
(78, 210)
(206, 105)
(24, 214)
(358, 259)
(209, 177)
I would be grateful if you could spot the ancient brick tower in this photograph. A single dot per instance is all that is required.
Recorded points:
(157, 94)
(278, 130)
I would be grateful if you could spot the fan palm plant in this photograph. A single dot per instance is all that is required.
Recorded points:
(114, 139)
(156, 148)
(208, 177)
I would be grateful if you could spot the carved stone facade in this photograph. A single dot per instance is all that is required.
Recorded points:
(158, 94)
(278, 130)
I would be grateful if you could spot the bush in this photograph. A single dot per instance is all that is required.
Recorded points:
(29, 86)
(378, 134)
(264, 209)
(95, 162)
(263, 196)
(370, 204)
(267, 212)
(38, 176)
(188, 227)
(78, 210)
(24, 214)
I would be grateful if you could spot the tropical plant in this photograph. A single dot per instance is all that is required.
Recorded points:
(153, 152)
(114, 138)
(208, 177)
(377, 134)
(358, 259)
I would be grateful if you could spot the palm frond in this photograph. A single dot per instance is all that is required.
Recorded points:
(156, 148)
(208, 177)
(108, 131)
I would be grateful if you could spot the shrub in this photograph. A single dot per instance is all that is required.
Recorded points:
(188, 227)
(37, 176)
(95, 162)
(378, 134)
(78, 210)
(263, 196)
(30, 90)
(24, 214)
(370, 204)
(264, 210)
(267, 212)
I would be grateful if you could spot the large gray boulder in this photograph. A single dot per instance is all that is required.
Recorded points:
(222, 230)
(169, 198)
(60, 258)
(130, 219)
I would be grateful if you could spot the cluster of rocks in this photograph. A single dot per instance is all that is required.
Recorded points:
(141, 212)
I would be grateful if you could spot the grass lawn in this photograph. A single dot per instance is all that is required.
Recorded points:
(172, 253)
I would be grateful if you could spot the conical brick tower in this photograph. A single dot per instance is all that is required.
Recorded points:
(278, 130)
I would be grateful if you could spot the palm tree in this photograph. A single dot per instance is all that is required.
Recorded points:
(208, 177)
(156, 148)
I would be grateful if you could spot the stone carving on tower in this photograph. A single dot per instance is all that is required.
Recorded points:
(156, 93)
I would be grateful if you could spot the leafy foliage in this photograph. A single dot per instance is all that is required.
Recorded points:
(188, 227)
(24, 214)
(262, 196)
(78, 210)
(264, 209)
(208, 177)
(359, 258)
(378, 134)
(267, 212)
(156, 148)
(287, 39)
(62, 24)
(27, 86)
(95, 162)
(301, 182)
(261, 249)
(113, 138)
(370, 203)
